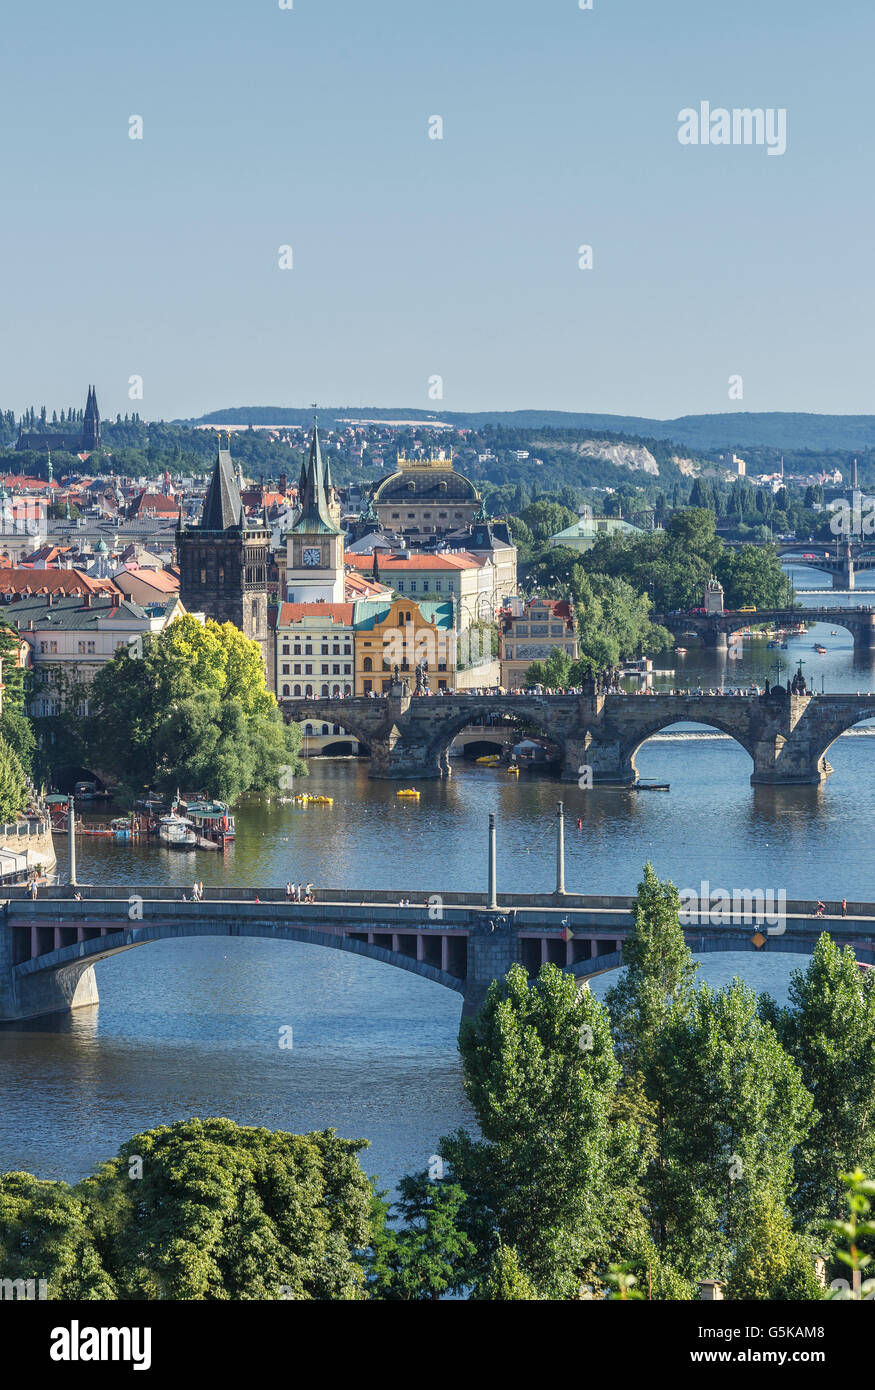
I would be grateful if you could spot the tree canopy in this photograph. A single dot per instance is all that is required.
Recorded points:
(190, 707)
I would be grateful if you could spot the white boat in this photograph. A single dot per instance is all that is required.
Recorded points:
(177, 832)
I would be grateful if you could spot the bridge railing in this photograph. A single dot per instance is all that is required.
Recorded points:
(621, 904)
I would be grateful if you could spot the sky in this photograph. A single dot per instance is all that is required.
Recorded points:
(441, 274)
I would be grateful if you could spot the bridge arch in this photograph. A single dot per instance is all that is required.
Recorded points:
(82, 954)
(668, 721)
(319, 711)
(833, 727)
(521, 715)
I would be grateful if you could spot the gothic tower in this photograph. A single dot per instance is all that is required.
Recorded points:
(91, 423)
(223, 561)
(314, 545)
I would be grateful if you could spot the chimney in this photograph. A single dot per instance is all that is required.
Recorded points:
(88, 599)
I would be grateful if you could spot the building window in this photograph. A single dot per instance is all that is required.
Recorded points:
(401, 586)
(203, 576)
(297, 670)
(308, 668)
(413, 586)
(368, 687)
(285, 668)
(438, 586)
(367, 665)
(326, 729)
(325, 668)
(298, 691)
(285, 692)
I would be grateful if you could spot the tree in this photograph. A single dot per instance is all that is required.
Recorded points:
(430, 1254)
(541, 1075)
(545, 519)
(207, 1209)
(506, 1282)
(191, 706)
(13, 784)
(829, 1031)
(660, 972)
(770, 1261)
(735, 1108)
(555, 671)
(45, 1234)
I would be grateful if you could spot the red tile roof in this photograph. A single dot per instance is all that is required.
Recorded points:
(391, 560)
(340, 613)
(19, 582)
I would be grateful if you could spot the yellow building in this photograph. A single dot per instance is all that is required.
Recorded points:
(402, 633)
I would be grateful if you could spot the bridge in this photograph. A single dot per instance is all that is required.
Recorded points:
(409, 738)
(842, 560)
(461, 940)
(715, 630)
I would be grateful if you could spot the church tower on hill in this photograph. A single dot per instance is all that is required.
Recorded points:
(91, 423)
(223, 561)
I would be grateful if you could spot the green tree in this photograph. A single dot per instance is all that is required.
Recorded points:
(45, 1234)
(191, 706)
(829, 1030)
(13, 785)
(770, 1261)
(541, 1075)
(429, 1255)
(736, 1108)
(659, 975)
(207, 1209)
(505, 1281)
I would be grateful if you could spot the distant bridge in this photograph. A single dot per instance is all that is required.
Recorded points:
(842, 560)
(716, 629)
(409, 738)
(48, 948)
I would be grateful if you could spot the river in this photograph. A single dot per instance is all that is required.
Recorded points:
(192, 1027)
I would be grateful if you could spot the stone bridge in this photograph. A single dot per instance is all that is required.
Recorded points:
(715, 629)
(409, 738)
(48, 948)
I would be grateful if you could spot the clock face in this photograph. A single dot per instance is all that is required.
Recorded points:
(312, 556)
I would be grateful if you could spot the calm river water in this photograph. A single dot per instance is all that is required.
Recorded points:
(191, 1027)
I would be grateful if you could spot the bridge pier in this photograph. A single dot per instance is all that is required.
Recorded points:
(601, 761)
(845, 578)
(71, 986)
(493, 947)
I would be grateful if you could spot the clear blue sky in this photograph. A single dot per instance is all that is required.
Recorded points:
(416, 257)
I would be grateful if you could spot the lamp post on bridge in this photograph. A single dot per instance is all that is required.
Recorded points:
(71, 833)
(560, 849)
(493, 889)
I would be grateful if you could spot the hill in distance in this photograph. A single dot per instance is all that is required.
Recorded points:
(731, 429)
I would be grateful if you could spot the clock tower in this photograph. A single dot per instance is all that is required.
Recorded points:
(314, 545)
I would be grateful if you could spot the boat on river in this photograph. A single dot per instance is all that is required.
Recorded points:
(212, 819)
(177, 832)
(821, 650)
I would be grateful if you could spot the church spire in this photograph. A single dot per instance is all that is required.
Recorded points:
(223, 508)
(315, 514)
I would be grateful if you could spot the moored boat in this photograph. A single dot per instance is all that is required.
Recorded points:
(177, 832)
